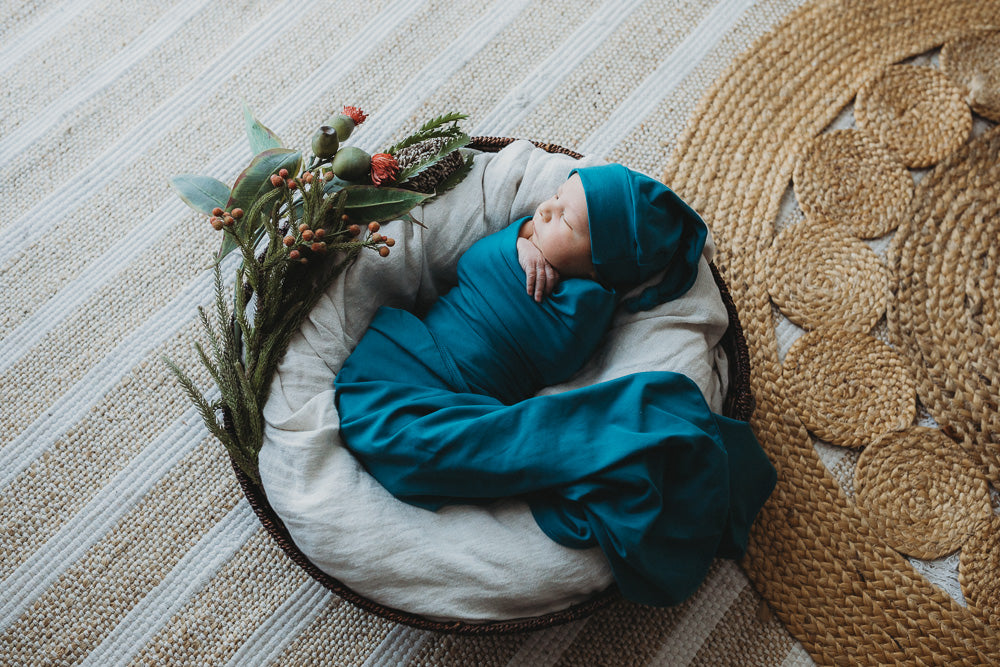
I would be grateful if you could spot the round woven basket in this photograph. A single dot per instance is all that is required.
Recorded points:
(738, 404)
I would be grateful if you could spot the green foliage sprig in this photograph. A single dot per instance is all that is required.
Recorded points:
(296, 229)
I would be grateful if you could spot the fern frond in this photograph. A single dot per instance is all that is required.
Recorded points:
(213, 336)
(205, 409)
(452, 117)
(213, 370)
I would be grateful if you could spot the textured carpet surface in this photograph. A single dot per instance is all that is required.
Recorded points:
(125, 536)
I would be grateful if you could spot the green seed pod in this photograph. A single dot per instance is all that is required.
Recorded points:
(325, 143)
(351, 163)
(343, 124)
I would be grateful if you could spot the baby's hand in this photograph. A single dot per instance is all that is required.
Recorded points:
(542, 277)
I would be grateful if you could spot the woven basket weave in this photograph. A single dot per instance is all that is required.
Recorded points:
(738, 404)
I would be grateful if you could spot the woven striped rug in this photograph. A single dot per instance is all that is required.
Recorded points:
(126, 538)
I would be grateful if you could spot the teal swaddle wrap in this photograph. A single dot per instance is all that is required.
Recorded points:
(441, 410)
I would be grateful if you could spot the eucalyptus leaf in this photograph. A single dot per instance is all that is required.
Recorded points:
(255, 180)
(379, 204)
(261, 138)
(202, 193)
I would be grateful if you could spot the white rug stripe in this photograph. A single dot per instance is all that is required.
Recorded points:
(88, 526)
(710, 604)
(644, 100)
(92, 179)
(39, 32)
(75, 193)
(161, 222)
(288, 621)
(73, 406)
(544, 79)
(101, 77)
(191, 574)
(797, 657)
(546, 647)
(433, 75)
(398, 647)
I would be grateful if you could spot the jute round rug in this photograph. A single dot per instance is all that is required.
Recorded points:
(824, 569)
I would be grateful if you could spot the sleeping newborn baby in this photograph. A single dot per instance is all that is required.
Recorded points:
(557, 235)
(443, 409)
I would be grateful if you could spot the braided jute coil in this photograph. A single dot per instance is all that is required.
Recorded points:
(826, 574)
(738, 404)
(847, 387)
(978, 566)
(921, 493)
(847, 176)
(943, 319)
(820, 276)
(917, 112)
(973, 62)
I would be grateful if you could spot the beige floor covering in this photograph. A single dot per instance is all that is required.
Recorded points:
(125, 539)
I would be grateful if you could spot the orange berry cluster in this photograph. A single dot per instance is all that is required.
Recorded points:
(309, 238)
(375, 237)
(281, 179)
(222, 219)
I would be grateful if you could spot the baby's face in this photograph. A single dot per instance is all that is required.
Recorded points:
(562, 231)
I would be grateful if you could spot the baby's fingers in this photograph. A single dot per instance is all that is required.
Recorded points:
(551, 278)
(540, 285)
(530, 273)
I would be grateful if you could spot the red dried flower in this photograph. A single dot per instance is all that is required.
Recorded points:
(356, 114)
(384, 168)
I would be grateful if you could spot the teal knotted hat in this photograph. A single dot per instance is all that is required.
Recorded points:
(639, 227)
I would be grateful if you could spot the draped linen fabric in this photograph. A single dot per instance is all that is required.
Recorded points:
(472, 562)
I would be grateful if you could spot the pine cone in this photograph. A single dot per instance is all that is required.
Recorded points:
(428, 179)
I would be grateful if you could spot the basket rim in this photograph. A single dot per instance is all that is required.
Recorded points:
(738, 404)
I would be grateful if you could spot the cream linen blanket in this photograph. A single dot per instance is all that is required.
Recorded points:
(471, 563)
